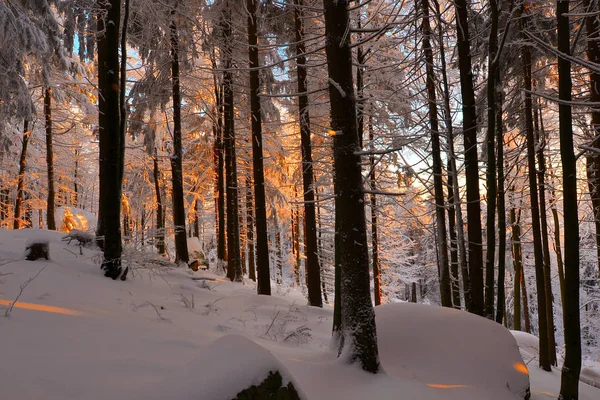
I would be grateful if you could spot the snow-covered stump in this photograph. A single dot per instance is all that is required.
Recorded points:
(36, 249)
(233, 367)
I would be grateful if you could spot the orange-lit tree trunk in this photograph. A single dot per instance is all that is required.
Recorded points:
(21, 177)
(313, 269)
(438, 185)
(475, 258)
(262, 241)
(181, 249)
(49, 160)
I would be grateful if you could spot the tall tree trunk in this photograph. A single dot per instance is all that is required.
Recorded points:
(493, 81)
(262, 241)
(593, 157)
(535, 208)
(196, 224)
(123, 90)
(557, 248)
(454, 263)
(21, 177)
(501, 302)
(181, 248)
(357, 337)
(160, 227)
(49, 160)
(374, 224)
(569, 387)
(250, 229)
(313, 269)
(234, 267)
(109, 221)
(438, 185)
(219, 165)
(76, 179)
(540, 139)
(471, 160)
(518, 266)
(526, 314)
(453, 184)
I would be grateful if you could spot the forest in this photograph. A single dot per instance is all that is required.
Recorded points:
(363, 152)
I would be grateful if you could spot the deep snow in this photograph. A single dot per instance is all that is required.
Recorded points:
(171, 333)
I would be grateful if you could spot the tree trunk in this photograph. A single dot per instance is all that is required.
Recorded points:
(471, 161)
(374, 231)
(123, 90)
(234, 267)
(453, 185)
(518, 266)
(181, 249)
(569, 387)
(454, 263)
(160, 227)
(21, 177)
(262, 241)
(75, 179)
(493, 81)
(49, 160)
(526, 314)
(313, 269)
(501, 302)
(357, 337)
(535, 209)
(593, 158)
(220, 179)
(540, 139)
(109, 221)
(438, 185)
(250, 229)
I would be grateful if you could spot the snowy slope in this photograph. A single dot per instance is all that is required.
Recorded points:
(77, 335)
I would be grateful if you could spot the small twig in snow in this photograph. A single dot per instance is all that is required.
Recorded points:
(23, 286)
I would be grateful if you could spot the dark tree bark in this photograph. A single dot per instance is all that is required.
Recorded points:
(21, 177)
(541, 172)
(262, 241)
(234, 267)
(196, 223)
(181, 249)
(49, 160)
(76, 179)
(454, 263)
(535, 207)
(219, 165)
(109, 225)
(160, 227)
(357, 336)
(518, 266)
(453, 186)
(123, 90)
(313, 269)
(501, 303)
(250, 229)
(374, 223)
(569, 387)
(438, 184)
(471, 160)
(592, 26)
(492, 188)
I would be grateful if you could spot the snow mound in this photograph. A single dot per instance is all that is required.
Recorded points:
(450, 349)
(221, 370)
(547, 384)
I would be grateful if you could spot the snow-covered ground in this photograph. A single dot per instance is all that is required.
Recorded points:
(172, 333)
